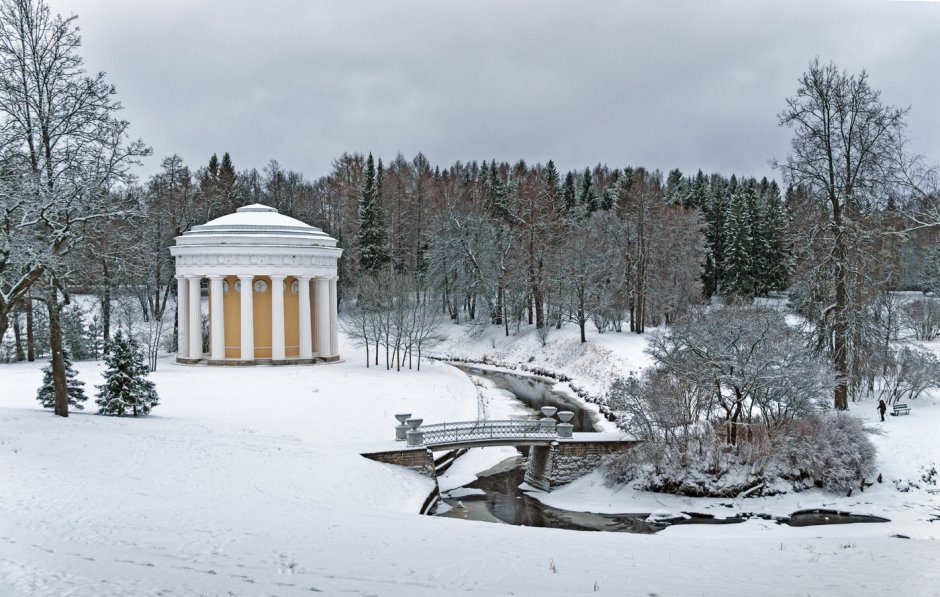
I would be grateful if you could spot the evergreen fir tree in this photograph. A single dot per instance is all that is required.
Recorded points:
(373, 243)
(698, 193)
(772, 261)
(715, 210)
(209, 176)
(757, 249)
(75, 334)
(498, 194)
(675, 191)
(609, 199)
(552, 187)
(738, 265)
(75, 388)
(588, 197)
(126, 388)
(930, 280)
(213, 170)
(227, 180)
(568, 194)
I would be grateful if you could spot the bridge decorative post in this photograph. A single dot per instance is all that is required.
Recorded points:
(548, 423)
(415, 437)
(565, 428)
(401, 429)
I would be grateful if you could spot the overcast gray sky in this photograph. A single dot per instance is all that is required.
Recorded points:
(658, 83)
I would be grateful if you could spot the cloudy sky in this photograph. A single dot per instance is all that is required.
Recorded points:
(658, 83)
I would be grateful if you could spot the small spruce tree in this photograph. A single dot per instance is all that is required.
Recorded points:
(126, 388)
(74, 386)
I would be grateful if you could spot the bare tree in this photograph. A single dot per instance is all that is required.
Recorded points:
(921, 317)
(843, 152)
(62, 149)
(755, 365)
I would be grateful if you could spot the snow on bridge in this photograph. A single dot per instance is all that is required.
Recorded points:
(555, 457)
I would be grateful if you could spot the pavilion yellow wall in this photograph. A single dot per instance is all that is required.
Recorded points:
(291, 319)
(232, 307)
(262, 319)
(262, 302)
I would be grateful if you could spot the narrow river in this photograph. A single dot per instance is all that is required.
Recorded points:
(495, 495)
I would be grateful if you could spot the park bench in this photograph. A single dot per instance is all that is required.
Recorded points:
(901, 409)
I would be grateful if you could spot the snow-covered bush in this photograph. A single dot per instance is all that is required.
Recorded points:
(705, 466)
(831, 451)
(126, 388)
(733, 398)
(75, 387)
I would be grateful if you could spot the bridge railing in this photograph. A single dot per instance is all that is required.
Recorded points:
(483, 430)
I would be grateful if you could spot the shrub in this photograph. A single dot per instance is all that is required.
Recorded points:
(831, 451)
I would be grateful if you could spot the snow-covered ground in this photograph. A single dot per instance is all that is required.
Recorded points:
(248, 481)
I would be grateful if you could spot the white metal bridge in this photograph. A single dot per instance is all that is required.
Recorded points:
(469, 434)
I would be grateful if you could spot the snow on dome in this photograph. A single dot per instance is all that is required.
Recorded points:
(255, 224)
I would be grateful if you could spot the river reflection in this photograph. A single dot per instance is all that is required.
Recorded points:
(503, 501)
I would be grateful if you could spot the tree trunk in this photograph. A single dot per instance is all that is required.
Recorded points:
(582, 319)
(840, 314)
(58, 360)
(30, 344)
(840, 323)
(17, 341)
(106, 309)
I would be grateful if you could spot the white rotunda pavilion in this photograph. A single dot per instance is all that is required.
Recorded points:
(272, 290)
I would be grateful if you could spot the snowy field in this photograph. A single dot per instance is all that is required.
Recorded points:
(248, 481)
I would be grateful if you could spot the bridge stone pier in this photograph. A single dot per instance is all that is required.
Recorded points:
(420, 460)
(565, 460)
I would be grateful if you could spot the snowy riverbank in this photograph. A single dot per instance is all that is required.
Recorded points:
(248, 481)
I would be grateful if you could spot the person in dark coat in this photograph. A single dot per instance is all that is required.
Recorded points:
(882, 407)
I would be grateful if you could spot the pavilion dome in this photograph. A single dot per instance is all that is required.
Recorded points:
(256, 224)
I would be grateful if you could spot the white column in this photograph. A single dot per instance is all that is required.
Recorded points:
(217, 318)
(248, 317)
(195, 317)
(306, 335)
(324, 334)
(277, 318)
(334, 328)
(182, 317)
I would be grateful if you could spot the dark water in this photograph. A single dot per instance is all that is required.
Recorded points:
(536, 392)
(502, 501)
(806, 518)
(505, 503)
